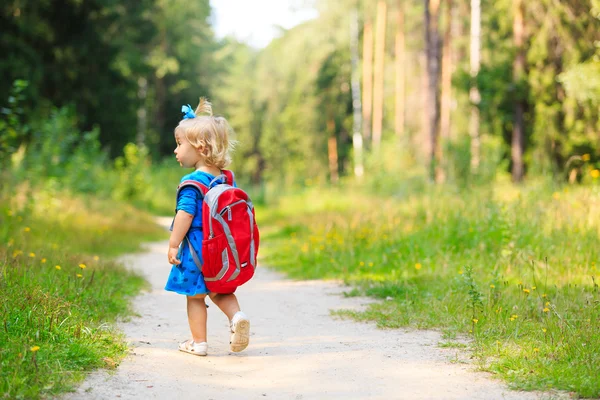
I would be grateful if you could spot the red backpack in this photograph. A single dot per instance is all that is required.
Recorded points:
(231, 237)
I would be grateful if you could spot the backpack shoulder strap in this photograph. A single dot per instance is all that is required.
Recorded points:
(229, 175)
(202, 188)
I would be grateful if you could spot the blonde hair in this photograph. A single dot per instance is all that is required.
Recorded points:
(209, 133)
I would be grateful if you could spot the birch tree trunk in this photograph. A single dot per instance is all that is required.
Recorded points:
(474, 95)
(357, 141)
(400, 74)
(518, 134)
(378, 73)
(367, 79)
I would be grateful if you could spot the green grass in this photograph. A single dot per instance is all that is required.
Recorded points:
(60, 290)
(515, 268)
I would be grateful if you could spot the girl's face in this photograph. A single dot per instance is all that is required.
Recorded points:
(187, 155)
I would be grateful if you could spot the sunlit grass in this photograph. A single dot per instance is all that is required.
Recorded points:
(515, 268)
(60, 289)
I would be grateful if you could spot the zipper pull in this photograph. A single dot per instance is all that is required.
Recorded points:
(229, 213)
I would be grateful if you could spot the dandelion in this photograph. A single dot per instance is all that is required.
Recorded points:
(17, 253)
(544, 330)
(370, 264)
(43, 260)
(546, 309)
(54, 246)
(11, 241)
(475, 320)
(492, 286)
(32, 255)
(526, 291)
(595, 173)
(362, 263)
(547, 304)
(35, 348)
(533, 287)
(556, 195)
(57, 267)
(79, 276)
(96, 258)
(82, 266)
(27, 229)
(544, 295)
(460, 272)
(418, 266)
(513, 317)
(585, 157)
(535, 350)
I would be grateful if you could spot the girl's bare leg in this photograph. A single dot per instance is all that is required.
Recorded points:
(196, 310)
(227, 303)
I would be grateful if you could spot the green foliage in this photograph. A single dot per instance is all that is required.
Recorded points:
(12, 128)
(486, 263)
(60, 288)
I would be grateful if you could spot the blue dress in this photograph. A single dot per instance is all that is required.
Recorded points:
(186, 278)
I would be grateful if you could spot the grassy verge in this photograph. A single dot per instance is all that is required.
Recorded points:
(60, 290)
(515, 268)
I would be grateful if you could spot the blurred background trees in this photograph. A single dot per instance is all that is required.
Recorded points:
(457, 91)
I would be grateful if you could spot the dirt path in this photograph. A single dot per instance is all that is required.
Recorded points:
(297, 350)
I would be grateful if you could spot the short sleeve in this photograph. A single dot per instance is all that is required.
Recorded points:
(188, 200)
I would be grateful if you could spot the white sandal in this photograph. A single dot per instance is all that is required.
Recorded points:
(197, 349)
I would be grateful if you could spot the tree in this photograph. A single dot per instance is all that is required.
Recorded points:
(379, 73)
(518, 134)
(433, 72)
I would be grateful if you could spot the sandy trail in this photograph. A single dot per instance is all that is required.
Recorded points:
(297, 350)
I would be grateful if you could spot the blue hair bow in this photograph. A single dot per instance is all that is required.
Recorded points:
(188, 112)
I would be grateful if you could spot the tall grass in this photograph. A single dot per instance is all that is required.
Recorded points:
(515, 268)
(60, 289)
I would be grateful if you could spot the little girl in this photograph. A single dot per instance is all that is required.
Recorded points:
(203, 144)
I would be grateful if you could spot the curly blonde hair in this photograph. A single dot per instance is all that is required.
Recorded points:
(209, 133)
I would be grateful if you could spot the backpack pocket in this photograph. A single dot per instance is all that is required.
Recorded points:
(216, 259)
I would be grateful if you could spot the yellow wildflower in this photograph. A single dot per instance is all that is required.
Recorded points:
(11, 241)
(493, 286)
(57, 267)
(475, 320)
(17, 253)
(544, 330)
(27, 229)
(585, 157)
(556, 195)
(595, 173)
(79, 276)
(526, 291)
(460, 272)
(96, 258)
(43, 260)
(544, 295)
(32, 255)
(547, 304)
(533, 287)
(418, 266)
(546, 309)
(370, 264)
(35, 348)
(535, 350)
(82, 266)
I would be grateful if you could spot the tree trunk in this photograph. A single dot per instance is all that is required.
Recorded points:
(447, 67)
(433, 75)
(400, 74)
(378, 70)
(367, 95)
(474, 95)
(357, 141)
(333, 154)
(518, 133)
